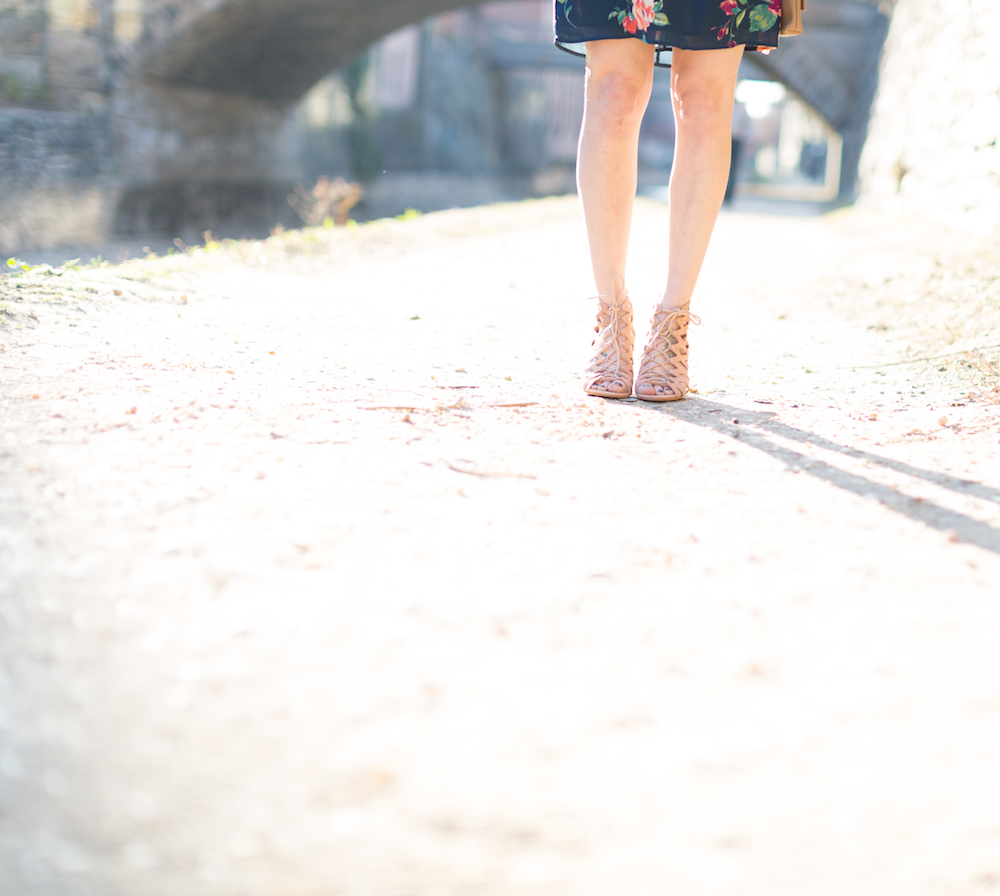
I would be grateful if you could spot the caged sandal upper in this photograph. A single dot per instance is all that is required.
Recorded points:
(609, 374)
(663, 372)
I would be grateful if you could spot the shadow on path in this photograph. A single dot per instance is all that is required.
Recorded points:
(754, 427)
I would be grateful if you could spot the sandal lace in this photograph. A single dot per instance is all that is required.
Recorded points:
(665, 357)
(612, 362)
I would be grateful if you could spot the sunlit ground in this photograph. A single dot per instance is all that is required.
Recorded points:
(320, 575)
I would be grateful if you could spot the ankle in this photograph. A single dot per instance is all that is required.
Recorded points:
(613, 291)
(673, 305)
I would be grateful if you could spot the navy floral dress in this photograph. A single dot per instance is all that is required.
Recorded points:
(668, 24)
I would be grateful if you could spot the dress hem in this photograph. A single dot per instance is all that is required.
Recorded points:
(669, 24)
(682, 43)
(567, 47)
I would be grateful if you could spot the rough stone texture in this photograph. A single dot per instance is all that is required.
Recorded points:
(104, 145)
(51, 147)
(933, 148)
(282, 49)
(22, 57)
(68, 214)
(54, 169)
(228, 157)
(174, 143)
(56, 55)
(56, 145)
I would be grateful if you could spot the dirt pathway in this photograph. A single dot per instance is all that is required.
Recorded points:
(319, 574)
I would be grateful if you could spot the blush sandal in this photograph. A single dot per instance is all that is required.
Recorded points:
(663, 372)
(610, 372)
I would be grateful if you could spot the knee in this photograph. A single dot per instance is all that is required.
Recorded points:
(702, 107)
(617, 98)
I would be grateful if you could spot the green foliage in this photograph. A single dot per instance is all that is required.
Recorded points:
(12, 89)
(14, 267)
(17, 267)
(14, 92)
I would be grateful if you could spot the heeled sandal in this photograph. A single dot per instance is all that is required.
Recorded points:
(609, 374)
(664, 365)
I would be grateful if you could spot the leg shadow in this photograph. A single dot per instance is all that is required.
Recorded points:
(755, 426)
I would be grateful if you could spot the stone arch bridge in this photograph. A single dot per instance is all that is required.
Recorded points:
(110, 109)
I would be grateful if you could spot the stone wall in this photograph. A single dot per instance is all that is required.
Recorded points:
(22, 52)
(54, 170)
(86, 146)
(193, 158)
(934, 139)
(56, 54)
(55, 133)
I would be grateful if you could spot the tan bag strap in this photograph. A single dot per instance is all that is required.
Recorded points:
(791, 17)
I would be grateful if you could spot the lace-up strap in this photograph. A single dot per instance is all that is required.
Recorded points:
(610, 372)
(663, 373)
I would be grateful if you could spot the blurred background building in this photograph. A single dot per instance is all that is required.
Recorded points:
(159, 115)
(481, 100)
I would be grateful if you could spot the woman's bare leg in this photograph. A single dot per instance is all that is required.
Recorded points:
(618, 84)
(702, 86)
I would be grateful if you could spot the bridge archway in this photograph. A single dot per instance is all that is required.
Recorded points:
(210, 83)
(834, 67)
(275, 50)
(156, 106)
(271, 49)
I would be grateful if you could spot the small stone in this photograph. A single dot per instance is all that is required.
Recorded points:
(942, 421)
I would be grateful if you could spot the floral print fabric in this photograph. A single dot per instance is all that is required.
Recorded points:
(684, 24)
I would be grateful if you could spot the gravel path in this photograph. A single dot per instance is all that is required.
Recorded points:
(319, 576)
